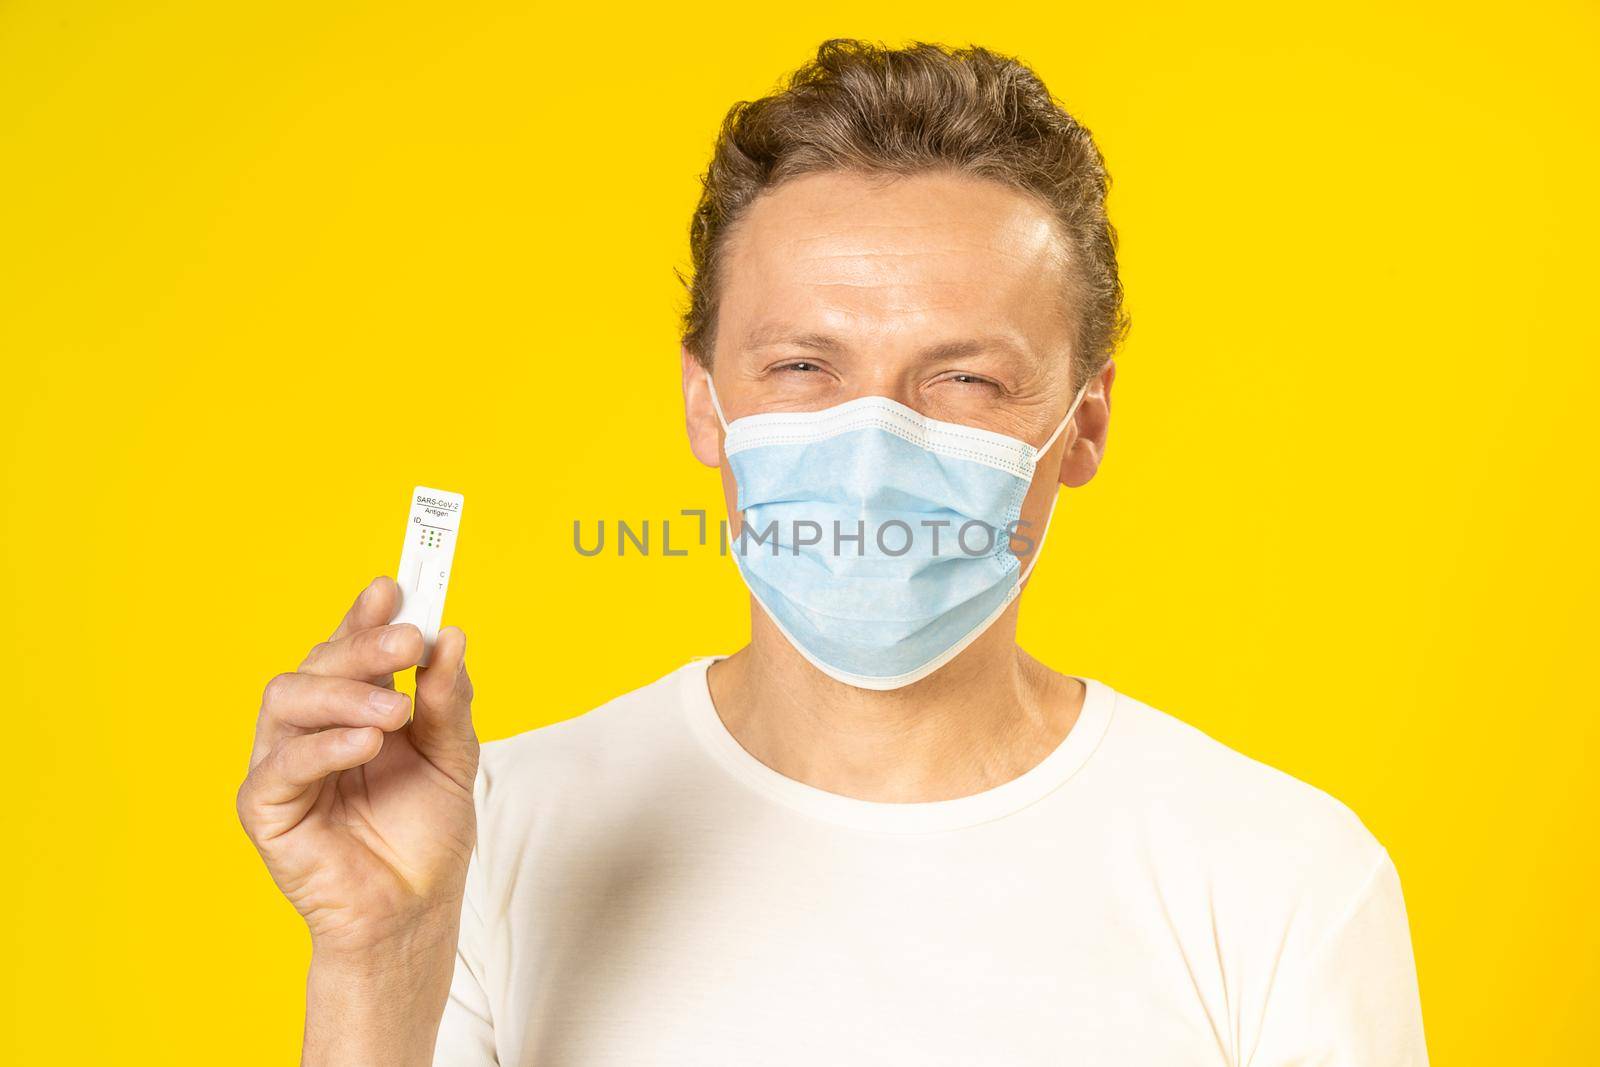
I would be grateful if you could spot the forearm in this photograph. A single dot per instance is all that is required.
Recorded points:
(381, 1007)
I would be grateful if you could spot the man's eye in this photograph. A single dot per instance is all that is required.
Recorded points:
(800, 366)
(968, 379)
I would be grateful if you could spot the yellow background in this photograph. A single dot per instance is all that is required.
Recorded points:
(265, 267)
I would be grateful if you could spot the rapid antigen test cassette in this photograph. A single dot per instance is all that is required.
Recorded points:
(424, 572)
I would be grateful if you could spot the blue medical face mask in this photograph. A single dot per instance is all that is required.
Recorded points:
(878, 540)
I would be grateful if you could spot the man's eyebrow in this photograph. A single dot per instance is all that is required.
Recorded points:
(766, 336)
(772, 335)
(973, 346)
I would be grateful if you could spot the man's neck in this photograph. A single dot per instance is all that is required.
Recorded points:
(985, 718)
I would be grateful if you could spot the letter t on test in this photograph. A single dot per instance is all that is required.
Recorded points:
(425, 559)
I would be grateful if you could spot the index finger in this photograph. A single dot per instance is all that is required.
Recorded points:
(374, 606)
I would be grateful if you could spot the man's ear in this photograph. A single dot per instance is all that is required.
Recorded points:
(1092, 422)
(700, 418)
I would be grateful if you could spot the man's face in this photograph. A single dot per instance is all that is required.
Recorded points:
(941, 291)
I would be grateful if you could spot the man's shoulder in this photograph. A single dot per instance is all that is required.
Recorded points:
(1246, 860)
(1232, 807)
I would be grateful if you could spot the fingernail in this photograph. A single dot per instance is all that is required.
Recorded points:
(385, 703)
(390, 642)
(357, 738)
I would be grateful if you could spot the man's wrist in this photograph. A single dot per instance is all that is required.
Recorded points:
(370, 957)
(379, 1003)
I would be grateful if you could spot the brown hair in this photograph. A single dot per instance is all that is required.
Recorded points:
(862, 107)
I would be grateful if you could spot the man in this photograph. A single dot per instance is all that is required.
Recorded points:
(881, 832)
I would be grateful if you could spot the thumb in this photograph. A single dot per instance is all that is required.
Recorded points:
(441, 729)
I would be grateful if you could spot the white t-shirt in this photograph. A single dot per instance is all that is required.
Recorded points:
(644, 892)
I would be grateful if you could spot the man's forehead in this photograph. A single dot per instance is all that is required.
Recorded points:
(957, 261)
(916, 224)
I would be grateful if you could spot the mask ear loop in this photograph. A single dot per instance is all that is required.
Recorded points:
(1055, 497)
(1049, 515)
(1073, 410)
(716, 405)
